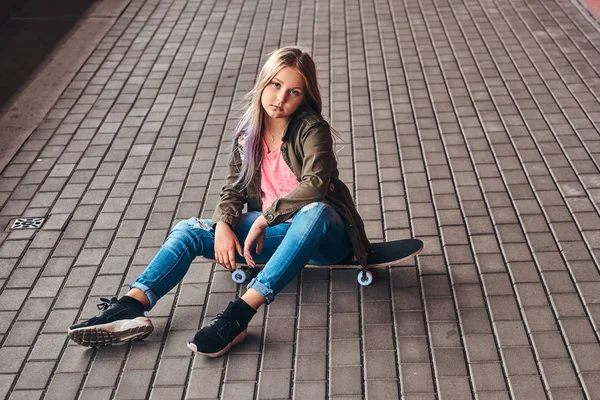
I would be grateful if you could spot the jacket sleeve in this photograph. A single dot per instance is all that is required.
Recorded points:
(317, 164)
(233, 198)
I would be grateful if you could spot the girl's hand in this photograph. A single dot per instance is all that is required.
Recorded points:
(226, 243)
(256, 236)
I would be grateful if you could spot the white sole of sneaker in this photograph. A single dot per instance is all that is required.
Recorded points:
(238, 339)
(114, 332)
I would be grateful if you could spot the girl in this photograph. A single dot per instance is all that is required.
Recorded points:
(283, 167)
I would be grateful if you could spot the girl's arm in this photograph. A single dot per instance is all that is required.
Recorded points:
(233, 199)
(317, 164)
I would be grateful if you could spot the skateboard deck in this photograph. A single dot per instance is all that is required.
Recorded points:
(383, 254)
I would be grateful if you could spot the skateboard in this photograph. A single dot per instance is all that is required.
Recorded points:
(383, 254)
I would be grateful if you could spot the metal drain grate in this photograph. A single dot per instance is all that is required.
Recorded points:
(28, 223)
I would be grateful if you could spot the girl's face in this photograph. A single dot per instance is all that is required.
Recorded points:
(284, 94)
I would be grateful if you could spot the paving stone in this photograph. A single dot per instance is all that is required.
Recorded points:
(143, 355)
(378, 337)
(166, 393)
(186, 318)
(539, 318)
(277, 356)
(416, 378)
(313, 292)
(592, 381)
(193, 294)
(23, 278)
(47, 287)
(344, 326)
(578, 330)
(238, 390)
(313, 315)
(274, 384)
(449, 361)
(310, 390)
(56, 222)
(26, 394)
(527, 386)
(380, 365)
(172, 371)
(568, 305)
(345, 381)
(6, 382)
(487, 377)
(558, 373)
(134, 384)
(74, 359)
(48, 347)
(64, 386)
(440, 309)
(344, 302)
(23, 333)
(504, 308)
(13, 358)
(379, 312)
(311, 341)
(511, 333)
(280, 330)
(519, 361)
(444, 334)
(96, 392)
(57, 266)
(586, 356)
(34, 375)
(103, 373)
(310, 367)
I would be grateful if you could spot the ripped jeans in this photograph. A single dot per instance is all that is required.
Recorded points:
(315, 235)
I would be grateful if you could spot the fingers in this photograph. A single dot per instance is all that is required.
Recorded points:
(248, 254)
(231, 256)
(238, 247)
(224, 260)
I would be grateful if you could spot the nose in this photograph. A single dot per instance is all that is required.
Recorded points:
(280, 98)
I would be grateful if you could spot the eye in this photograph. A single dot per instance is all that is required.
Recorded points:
(276, 84)
(295, 92)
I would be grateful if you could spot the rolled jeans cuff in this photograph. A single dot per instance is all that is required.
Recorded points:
(147, 291)
(261, 288)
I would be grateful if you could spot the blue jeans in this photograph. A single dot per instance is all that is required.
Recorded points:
(315, 235)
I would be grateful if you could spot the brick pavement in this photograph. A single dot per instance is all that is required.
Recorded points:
(472, 124)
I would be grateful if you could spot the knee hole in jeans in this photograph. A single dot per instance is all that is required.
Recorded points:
(195, 223)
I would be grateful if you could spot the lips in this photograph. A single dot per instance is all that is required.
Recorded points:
(277, 108)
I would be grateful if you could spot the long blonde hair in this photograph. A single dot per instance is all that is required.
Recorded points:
(251, 121)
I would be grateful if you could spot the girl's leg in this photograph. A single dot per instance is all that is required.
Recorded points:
(316, 234)
(187, 240)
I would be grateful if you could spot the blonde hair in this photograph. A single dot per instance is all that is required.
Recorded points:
(251, 121)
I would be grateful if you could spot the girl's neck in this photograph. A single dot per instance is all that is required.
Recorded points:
(275, 126)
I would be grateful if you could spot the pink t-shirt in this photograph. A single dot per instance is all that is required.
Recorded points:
(277, 179)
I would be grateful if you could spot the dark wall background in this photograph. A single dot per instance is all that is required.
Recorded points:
(29, 30)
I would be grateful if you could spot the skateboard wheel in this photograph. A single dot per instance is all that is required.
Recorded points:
(364, 278)
(239, 276)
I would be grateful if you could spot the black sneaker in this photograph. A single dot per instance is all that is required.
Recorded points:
(225, 330)
(118, 322)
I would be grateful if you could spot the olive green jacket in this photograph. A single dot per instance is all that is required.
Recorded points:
(307, 149)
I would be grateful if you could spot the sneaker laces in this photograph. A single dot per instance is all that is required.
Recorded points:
(223, 316)
(104, 305)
